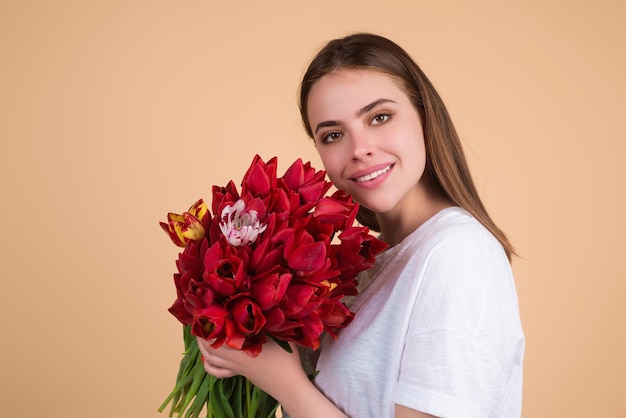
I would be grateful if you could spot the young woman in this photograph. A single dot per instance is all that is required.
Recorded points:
(437, 329)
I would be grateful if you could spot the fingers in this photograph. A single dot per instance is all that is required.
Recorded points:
(218, 372)
(214, 364)
(215, 356)
(202, 345)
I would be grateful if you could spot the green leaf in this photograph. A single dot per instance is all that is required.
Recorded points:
(198, 377)
(201, 396)
(283, 344)
(219, 402)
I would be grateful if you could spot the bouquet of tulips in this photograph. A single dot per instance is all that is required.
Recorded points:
(262, 263)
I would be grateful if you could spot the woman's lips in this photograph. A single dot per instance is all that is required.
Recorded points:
(372, 177)
(371, 173)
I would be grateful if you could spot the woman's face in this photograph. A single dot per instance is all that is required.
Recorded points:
(370, 139)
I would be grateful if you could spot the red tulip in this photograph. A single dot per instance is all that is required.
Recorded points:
(306, 181)
(180, 312)
(269, 289)
(223, 269)
(209, 322)
(223, 196)
(338, 210)
(260, 179)
(246, 315)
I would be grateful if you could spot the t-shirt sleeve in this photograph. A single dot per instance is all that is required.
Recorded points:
(451, 363)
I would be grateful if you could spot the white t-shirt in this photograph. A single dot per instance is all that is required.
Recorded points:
(437, 329)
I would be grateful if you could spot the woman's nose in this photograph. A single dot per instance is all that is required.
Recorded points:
(362, 146)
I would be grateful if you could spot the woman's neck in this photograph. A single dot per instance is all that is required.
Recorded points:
(401, 221)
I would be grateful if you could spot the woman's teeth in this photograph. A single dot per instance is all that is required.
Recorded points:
(373, 175)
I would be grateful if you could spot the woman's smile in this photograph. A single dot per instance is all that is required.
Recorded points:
(371, 173)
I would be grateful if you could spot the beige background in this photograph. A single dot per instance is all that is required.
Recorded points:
(113, 113)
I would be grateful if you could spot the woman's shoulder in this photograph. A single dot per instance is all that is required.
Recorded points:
(452, 244)
(453, 236)
(455, 225)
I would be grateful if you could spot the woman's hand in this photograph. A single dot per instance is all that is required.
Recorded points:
(274, 371)
(271, 369)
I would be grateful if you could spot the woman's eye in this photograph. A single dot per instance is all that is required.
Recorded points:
(380, 118)
(331, 137)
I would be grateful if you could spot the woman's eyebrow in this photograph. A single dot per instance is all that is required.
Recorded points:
(359, 113)
(325, 124)
(372, 105)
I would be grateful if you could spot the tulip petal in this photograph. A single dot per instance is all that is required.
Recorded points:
(307, 257)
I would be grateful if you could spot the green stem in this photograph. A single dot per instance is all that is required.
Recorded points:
(184, 376)
(198, 375)
(251, 410)
(201, 396)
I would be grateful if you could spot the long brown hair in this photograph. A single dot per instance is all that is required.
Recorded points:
(445, 159)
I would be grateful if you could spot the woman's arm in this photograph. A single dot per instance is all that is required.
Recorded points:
(276, 372)
(404, 412)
